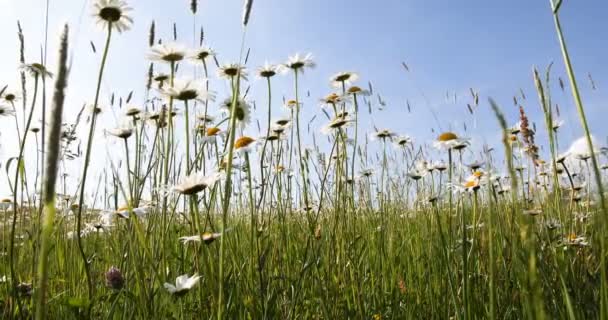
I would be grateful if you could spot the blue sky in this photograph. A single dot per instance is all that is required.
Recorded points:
(450, 46)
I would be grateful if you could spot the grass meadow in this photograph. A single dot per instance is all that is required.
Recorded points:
(194, 219)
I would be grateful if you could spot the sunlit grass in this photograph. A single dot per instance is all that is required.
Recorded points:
(199, 214)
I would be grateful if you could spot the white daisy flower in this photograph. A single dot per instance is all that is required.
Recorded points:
(196, 183)
(112, 14)
(299, 63)
(183, 284)
(167, 52)
(188, 89)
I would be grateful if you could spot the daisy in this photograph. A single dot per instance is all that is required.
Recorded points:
(283, 121)
(167, 52)
(200, 55)
(187, 89)
(331, 99)
(140, 212)
(112, 14)
(183, 284)
(343, 79)
(291, 104)
(211, 134)
(268, 70)
(449, 140)
(10, 97)
(231, 70)
(402, 141)
(576, 241)
(415, 174)
(6, 111)
(242, 110)
(383, 135)
(121, 132)
(207, 237)
(366, 172)
(161, 78)
(133, 112)
(354, 90)
(299, 63)
(244, 144)
(335, 124)
(205, 118)
(196, 183)
(278, 129)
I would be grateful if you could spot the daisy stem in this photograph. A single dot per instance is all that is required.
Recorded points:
(87, 161)
(129, 201)
(265, 143)
(17, 171)
(228, 187)
(302, 159)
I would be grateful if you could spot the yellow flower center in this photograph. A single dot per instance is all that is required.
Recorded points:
(447, 136)
(354, 89)
(243, 142)
(213, 131)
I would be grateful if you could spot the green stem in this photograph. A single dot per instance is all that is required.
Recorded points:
(87, 161)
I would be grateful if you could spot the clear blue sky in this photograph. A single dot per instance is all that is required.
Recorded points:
(449, 46)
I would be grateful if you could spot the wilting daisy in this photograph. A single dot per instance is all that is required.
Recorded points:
(231, 70)
(242, 110)
(167, 52)
(36, 70)
(291, 104)
(335, 124)
(201, 54)
(343, 79)
(183, 284)
(112, 14)
(299, 63)
(268, 70)
(188, 89)
(196, 183)
(449, 140)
